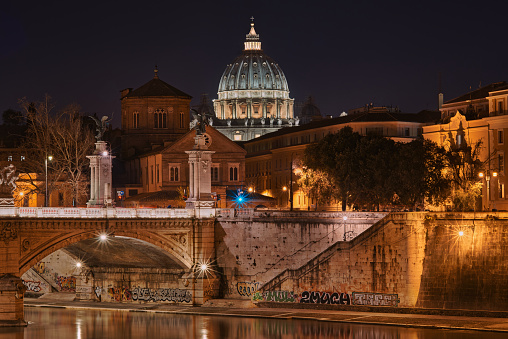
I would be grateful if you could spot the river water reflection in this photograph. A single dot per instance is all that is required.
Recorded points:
(80, 324)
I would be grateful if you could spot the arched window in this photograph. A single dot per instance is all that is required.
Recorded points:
(159, 118)
(135, 119)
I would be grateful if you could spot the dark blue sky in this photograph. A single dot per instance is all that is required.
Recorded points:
(345, 54)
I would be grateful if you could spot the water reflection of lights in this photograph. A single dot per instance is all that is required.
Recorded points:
(78, 329)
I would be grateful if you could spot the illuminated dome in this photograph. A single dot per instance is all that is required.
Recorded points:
(253, 69)
(253, 86)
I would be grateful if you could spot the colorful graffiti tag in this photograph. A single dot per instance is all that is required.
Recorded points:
(309, 297)
(335, 298)
(32, 286)
(246, 289)
(66, 284)
(118, 293)
(161, 294)
(375, 299)
(275, 296)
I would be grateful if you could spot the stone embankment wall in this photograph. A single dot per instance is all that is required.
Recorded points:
(452, 261)
(136, 284)
(252, 248)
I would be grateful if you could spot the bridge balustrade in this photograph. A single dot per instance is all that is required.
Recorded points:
(77, 212)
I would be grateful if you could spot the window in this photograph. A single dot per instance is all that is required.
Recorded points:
(159, 118)
(500, 107)
(158, 173)
(500, 137)
(406, 131)
(9, 158)
(22, 158)
(459, 140)
(237, 137)
(233, 173)
(214, 172)
(174, 173)
(151, 173)
(500, 159)
(182, 120)
(501, 191)
(135, 119)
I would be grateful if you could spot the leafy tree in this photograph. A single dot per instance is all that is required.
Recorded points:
(316, 185)
(370, 182)
(463, 166)
(335, 155)
(376, 171)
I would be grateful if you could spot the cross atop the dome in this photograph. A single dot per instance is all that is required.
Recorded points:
(156, 76)
(252, 18)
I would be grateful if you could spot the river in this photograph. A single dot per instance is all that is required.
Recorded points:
(55, 323)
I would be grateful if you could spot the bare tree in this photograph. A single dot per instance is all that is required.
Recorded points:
(63, 136)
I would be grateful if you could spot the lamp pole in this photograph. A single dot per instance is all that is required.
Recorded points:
(46, 170)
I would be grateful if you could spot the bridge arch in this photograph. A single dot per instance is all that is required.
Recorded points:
(181, 239)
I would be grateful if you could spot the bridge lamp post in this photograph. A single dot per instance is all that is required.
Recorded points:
(48, 158)
(284, 189)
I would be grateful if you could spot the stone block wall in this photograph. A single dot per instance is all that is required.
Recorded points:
(137, 284)
(252, 249)
(466, 262)
(382, 266)
(446, 261)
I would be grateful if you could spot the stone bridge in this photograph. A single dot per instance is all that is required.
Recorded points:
(27, 235)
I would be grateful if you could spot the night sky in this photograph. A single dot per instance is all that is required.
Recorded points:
(345, 54)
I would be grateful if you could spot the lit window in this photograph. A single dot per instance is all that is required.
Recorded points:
(237, 137)
(22, 158)
(9, 158)
(500, 158)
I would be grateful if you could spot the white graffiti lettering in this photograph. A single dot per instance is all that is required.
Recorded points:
(161, 294)
(375, 299)
(32, 286)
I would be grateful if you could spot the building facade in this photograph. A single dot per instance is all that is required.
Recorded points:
(151, 115)
(161, 177)
(272, 162)
(253, 95)
(480, 114)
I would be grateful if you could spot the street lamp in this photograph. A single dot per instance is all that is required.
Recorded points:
(487, 177)
(48, 158)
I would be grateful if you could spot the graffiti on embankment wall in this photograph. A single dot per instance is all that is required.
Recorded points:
(246, 289)
(146, 294)
(306, 297)
(330, 298)
(375, 299)
(32, 286)
(66, 284)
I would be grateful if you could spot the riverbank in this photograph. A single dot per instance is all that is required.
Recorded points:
(431, 321)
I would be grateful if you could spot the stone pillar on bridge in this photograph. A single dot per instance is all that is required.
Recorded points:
(200, 181)
(12, 291)
(101, 190)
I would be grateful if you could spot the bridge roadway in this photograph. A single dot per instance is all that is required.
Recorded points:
(28, 234)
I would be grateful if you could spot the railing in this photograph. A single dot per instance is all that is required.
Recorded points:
(111, 212)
